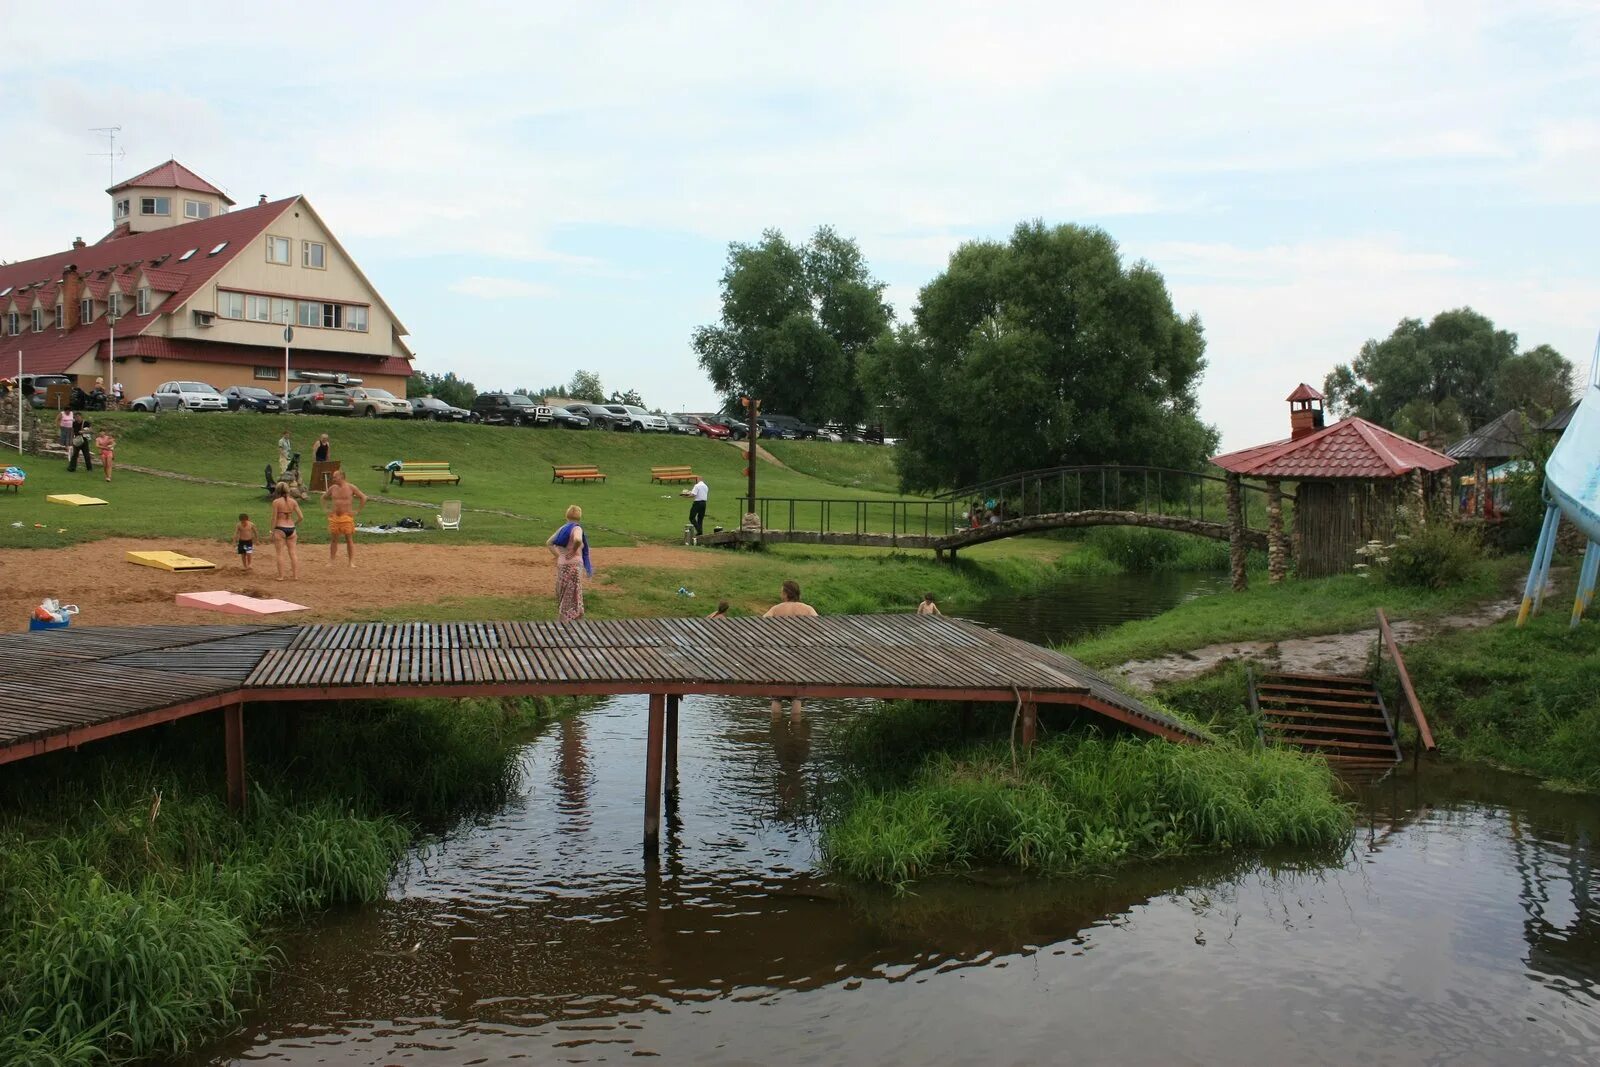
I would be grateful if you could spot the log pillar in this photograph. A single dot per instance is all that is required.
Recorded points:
(672, 743)
(1277, 547)
(1236, 550)
(1480, 489)
(1030, 723)
(652, 771)
(233, 749)
(1420, 488)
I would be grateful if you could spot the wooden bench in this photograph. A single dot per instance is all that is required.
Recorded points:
(576, 474)
(673, 474)
(425, 472)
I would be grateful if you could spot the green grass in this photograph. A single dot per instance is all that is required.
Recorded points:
(1293, 609)
(136, 911)
(502, 469)
(924, 801)
(868, 468)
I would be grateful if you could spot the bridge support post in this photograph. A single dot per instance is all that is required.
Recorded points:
(233, 748)
(652, 772)
(1236, 551)
(1277, 548)
(672, 743)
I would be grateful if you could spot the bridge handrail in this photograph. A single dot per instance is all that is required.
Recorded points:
(1079, 468)
(1424, 734)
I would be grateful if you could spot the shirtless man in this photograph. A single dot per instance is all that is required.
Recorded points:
(337, 498)
(789, 607)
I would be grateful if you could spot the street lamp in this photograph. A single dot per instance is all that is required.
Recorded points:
(111, 353)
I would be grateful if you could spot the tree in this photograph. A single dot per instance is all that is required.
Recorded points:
(446, 387)
(1446, 377)
(630, 397)
(795, 321)
(585, 386)
(1039, 352)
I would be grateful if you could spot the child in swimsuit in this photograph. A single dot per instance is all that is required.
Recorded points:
(244, 539)
(106, 444)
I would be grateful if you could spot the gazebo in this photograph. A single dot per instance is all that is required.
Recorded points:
(1491, 444)
(1352, 477)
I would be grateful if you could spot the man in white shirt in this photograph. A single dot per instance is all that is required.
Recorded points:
(697, 510)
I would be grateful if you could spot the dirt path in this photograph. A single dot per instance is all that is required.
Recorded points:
(1345, 653)
(761, 453)
(389, 574)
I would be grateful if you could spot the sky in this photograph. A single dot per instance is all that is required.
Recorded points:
(547, 187)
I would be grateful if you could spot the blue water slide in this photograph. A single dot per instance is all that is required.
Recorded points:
(1572, 488)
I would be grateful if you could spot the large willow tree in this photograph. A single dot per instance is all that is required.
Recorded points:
(1041, 351)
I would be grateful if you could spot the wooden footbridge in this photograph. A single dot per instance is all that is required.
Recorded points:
(61, 689)
(1056, 498)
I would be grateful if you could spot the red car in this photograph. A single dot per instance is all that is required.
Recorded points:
(708, 429)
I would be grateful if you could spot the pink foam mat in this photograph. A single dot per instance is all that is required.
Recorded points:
(235, 603)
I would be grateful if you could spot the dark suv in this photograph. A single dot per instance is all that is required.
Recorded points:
(599, 416)
(510, 409)
(782, 426)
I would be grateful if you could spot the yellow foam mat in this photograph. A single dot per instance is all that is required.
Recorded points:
(76, 500)
(170, 561)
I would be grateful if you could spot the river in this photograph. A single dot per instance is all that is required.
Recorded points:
(1460, 928)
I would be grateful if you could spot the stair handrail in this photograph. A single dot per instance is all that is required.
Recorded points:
(1424, 734)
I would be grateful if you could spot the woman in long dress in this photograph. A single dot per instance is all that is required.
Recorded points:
(571, 551)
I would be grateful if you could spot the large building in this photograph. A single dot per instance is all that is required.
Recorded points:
(185, 287)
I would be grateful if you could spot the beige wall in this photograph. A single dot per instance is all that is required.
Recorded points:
(138, 223)
(139, 378)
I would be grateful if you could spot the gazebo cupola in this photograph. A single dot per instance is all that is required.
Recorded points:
(1305, 412)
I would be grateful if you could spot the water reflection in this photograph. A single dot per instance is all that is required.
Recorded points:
(1460, 928)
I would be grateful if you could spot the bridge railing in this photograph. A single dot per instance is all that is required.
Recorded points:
(899, 518)
(1112, 487)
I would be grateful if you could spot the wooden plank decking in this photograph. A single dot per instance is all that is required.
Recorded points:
(59, 689)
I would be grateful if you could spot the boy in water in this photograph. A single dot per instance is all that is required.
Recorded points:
(244, 540)
(927, 607)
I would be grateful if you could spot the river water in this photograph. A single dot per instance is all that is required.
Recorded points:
(1460, 928)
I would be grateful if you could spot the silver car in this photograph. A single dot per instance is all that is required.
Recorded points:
(185, 396)
(374, 402)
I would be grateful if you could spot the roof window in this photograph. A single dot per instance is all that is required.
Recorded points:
(185, 257)
(217, 249)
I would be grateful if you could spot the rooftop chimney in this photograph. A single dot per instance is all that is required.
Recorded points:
(1305, 412)
(77, 242)
(71, 298)
(263, 199)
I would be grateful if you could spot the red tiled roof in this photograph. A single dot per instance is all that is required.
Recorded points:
(1352, 448)
(53, 351)
(1304, 392)
(261, 355)
(172, 175)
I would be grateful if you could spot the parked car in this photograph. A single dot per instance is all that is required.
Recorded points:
(182, 396)
(569, 420)
(705, 427)
(636, 419)
(509, 409)
(370, 403)
(776, 430)
(321, 398)
(47, 390)
(678, 425)
(600, 416)
(428, 407)
(786, 426)
(736, 429)
(252, 398)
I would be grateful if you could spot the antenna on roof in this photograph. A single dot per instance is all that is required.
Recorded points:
(112, 152)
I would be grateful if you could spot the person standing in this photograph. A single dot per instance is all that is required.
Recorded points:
(697, 510)
(286, 517)
(324, 446)
(106, 445)
(244, 540)
(571, 550)
(337, 498)
(66, 425)
(116, 393)
(80, 446)
(791, 606)
(285, 453)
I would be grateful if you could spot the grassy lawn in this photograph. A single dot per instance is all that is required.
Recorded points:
(502, 470)
(869, 468)
(1294, 609)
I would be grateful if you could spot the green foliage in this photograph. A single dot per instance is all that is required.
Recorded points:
(1077, 803)
(1435, 556)
(628, 396)
(585, 385)
(1041, 351)
(446, 387)
(1525, 494)
(795, 319)
(1140, 550)
(1216, 700)
(1447, 377)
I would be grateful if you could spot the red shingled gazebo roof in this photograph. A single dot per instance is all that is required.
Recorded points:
(1352, 448)
(1304, 392)
(171, 175)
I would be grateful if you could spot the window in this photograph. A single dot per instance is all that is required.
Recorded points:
(114, 305)
(310, 314)
(86, 310)
(143, 304)
(355, 318)
(61, 316)
(315, 254)
(277, 250)
(266, 374)
(38, 320)
(333, 316)
(258, 308)
(282, 310)
(122, 209)
(13, 323)
(185, 257)
(155, 205)
(220, 246)
(230, 305)
(195, 209)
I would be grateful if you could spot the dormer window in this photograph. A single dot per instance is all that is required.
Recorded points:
(196, 209)
(61, 316)
(155, 205)
(114, 305)
(38, 320)
(86, 310)
(143, 303)
(13, 323)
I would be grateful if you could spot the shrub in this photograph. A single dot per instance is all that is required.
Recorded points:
(1435, 556)
(1141, 550)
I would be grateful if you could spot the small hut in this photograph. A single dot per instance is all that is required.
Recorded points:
(1352, 477)
(1491, 444)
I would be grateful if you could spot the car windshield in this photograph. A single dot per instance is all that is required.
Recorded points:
(251, 390)
(381, 394)
(518, 400)
(630, 409)
(196, 387)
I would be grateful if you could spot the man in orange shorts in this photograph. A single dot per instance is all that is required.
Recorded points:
(338, 499)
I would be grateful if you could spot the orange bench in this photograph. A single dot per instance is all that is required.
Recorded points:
(673, 474)
(576, 474)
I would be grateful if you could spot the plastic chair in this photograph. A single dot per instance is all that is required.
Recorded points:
(449, 517)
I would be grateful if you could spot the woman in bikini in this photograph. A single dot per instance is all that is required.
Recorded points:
(285, 517)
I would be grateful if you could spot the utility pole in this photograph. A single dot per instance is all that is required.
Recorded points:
(111, 357)
(752, 410)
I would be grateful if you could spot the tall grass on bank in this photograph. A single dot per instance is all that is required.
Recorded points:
(1078, 802)
(1134, 549)
(135, 908)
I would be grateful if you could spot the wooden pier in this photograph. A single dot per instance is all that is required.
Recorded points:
(61, 689)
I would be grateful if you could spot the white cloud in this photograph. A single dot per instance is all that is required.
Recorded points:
(484, 288)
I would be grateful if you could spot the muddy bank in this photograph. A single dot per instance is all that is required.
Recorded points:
(1345, 653)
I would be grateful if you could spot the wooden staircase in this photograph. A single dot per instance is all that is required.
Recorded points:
(1340, 718)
